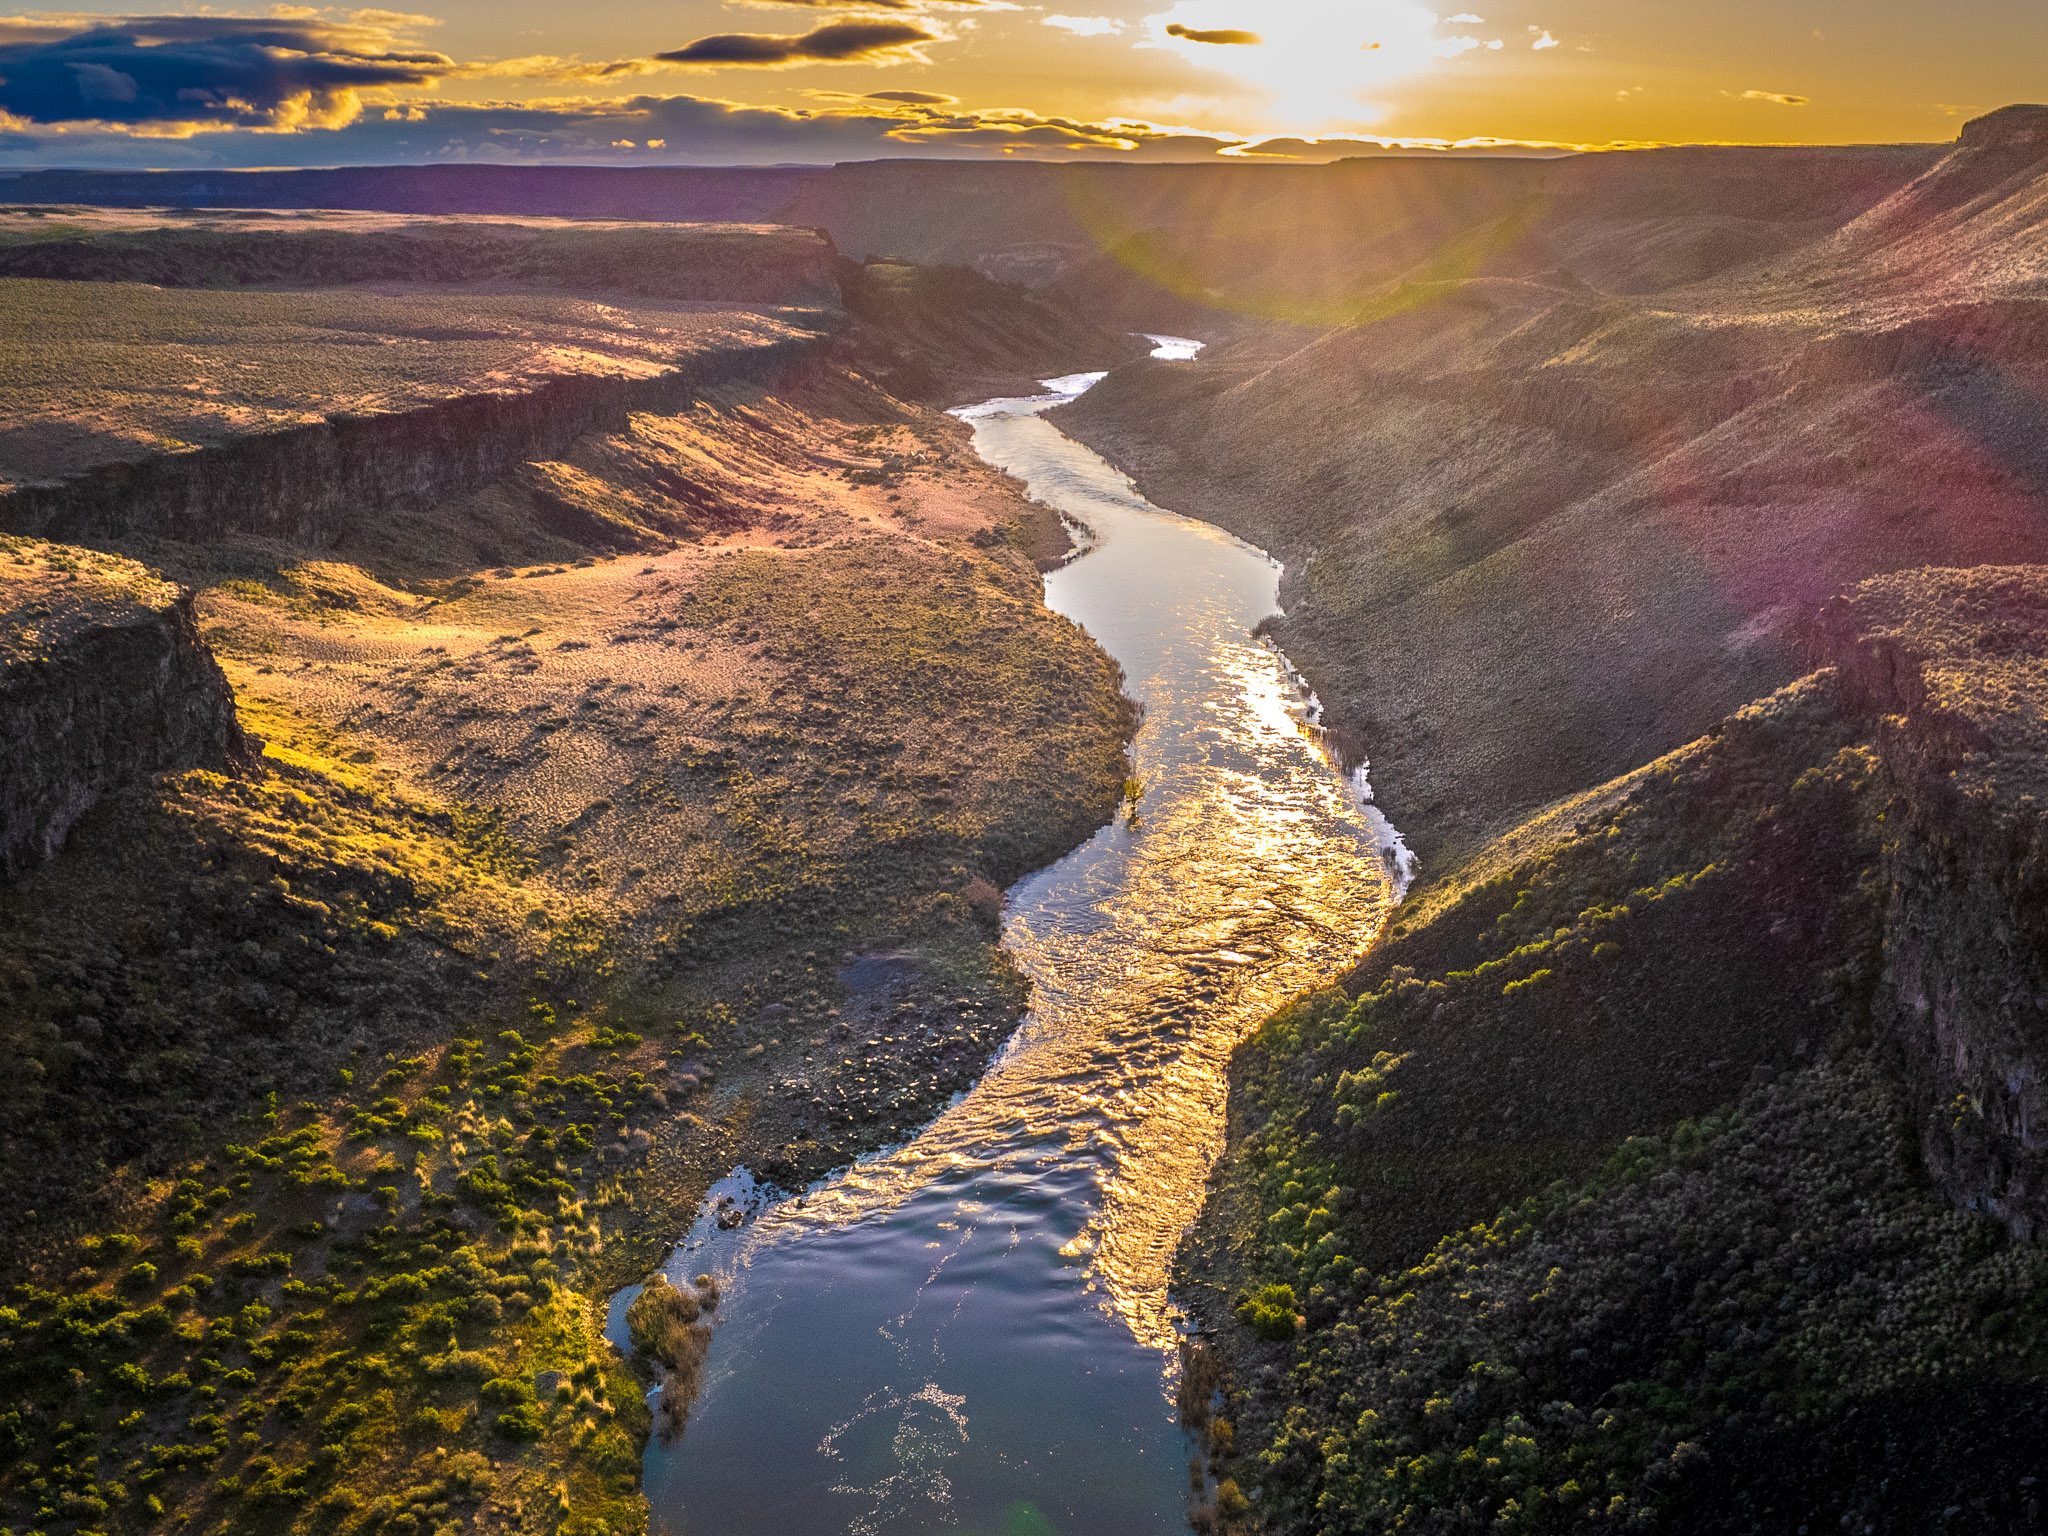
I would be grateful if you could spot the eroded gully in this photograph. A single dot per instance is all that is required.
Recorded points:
(974, 1332)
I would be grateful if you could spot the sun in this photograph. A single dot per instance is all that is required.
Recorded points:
(1316, 60)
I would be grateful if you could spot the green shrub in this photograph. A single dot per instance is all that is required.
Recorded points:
(525, 1422)
(115, 1245)
(1270, 1312)
(343, 1418)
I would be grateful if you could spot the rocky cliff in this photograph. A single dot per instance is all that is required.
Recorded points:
(103, 680)
(308, 484)
(176, 396)
(1953, 666)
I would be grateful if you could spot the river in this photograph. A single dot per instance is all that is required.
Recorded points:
(974, 1332)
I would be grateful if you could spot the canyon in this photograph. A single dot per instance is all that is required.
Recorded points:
(629, 661)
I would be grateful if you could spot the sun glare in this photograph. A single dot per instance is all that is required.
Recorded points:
(1317, 61)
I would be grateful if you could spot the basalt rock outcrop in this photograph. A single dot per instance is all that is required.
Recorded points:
(103, 681)
(1953, 667)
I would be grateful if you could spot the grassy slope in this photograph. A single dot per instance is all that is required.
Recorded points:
(351, 1085)
(1591, 1196)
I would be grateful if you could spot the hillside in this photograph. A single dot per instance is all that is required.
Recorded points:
(1547, 515)
(1598, 1196)
(278, 376)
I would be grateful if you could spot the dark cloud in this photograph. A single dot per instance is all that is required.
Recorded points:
(207, 71)
(640, 130)
(665, 130)
(912, 98)
(1221, 35)
(837, 42)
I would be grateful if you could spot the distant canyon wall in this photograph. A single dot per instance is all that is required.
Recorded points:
(307, 485)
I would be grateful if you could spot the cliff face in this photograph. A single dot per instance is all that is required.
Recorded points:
(1954, 665)
(192, 410)
(103, 680)
(307, 485)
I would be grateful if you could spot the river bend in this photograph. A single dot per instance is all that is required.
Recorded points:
(973, 1332)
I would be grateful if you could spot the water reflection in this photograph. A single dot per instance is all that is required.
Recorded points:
(972, 1332)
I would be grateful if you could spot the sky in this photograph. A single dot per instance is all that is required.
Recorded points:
(713, 82)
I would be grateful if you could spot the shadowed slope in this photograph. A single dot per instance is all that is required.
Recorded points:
(1536, 533)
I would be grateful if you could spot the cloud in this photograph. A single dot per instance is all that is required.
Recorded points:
(1085, 26)
(1324, 150)
(669, 130)
(696, 130)
(185, 74)
(1779, 98)
(1463, 19)
(1224, 35)
(1544, 41)
(863, 40)
(547, 66)
(913, 98)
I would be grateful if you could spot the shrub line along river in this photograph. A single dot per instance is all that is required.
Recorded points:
(974, 1332)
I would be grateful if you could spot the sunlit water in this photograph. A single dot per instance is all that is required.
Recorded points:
(974, 1332)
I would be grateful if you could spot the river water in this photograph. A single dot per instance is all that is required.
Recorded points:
(974, 1332)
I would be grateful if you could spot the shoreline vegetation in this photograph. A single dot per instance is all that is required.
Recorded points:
(640, 812)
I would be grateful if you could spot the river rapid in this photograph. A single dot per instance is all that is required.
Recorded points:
(974, 1332)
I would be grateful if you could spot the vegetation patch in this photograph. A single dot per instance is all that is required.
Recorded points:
(1599, 1170)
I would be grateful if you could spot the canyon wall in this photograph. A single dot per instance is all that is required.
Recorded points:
(1952, 666)
(103, 681)
(307, 484)
(1546, 516)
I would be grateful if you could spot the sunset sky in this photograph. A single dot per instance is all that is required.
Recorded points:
(773, 81)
